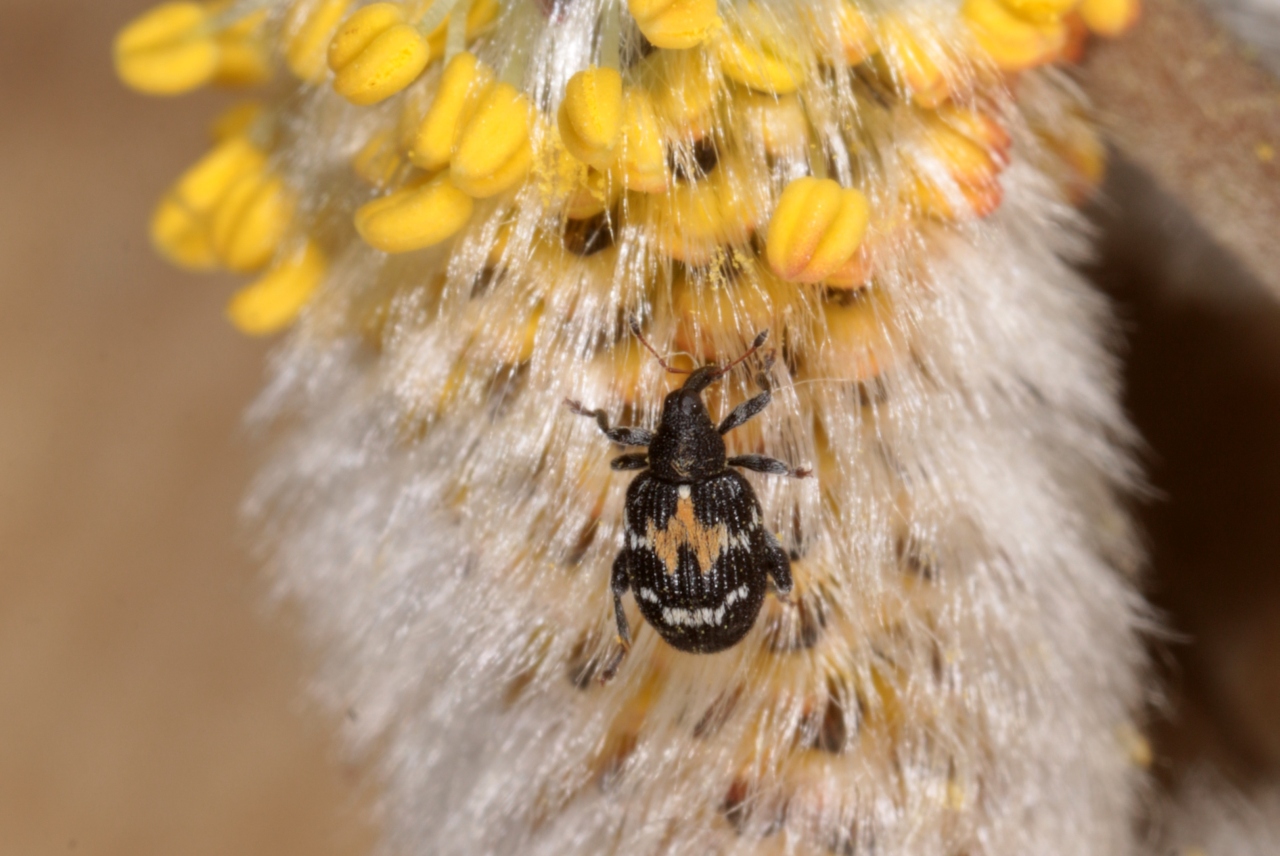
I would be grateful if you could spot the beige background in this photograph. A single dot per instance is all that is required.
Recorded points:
(148, 705)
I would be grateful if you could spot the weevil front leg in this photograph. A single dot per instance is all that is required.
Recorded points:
(622, 435)
(744, 412)
(750, 408)
(631, 461)
(619, 582)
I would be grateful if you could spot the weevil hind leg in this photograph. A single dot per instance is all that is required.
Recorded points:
(777, 565)
(619, 582)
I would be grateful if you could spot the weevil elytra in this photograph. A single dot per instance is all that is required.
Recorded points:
(697, 554)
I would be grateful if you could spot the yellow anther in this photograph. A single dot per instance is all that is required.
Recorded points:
(750, 65)
(1135, 745)
(815, 230)
(167, 50)
(308, 30)
(778, 125)
(379, 161)
(705, 305)
(957, 202)
(493, 152)
(621, 371)
(243, 60)
(1082, 156)
(180, 224)
(463, 85)
(855, 273)
(964, 159)
(1013, 43)
(250, 221)
(590, 116)
(755, 52)
(1110, 18)
(235, 120)
(360, 30)
(695, 221)
(596, 193)
(978, 127)
(559, 177)
(861, 340)
(272, 302)
(418, 216)
(481, 14)
(841, 29)
(642, 156)
(181, 237)
(685, 89)
(237, 26)
(853, 30)
(376, 53)
(1040, 10)
(510, 341)
(914, 60)
(675, 24)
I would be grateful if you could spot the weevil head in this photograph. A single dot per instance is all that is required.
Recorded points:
(687, 448)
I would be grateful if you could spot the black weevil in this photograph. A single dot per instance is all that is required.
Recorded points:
(697, 553)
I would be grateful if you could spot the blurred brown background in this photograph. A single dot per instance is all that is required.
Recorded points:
(1203, 376)
(147, 705)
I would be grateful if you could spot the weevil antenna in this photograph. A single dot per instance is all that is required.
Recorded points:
(755, 346)
(635, 330)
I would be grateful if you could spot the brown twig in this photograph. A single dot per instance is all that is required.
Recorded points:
(1184, 102)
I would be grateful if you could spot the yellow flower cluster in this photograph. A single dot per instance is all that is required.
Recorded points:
(669, 133)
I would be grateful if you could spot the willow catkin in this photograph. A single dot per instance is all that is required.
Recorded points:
(459, 207)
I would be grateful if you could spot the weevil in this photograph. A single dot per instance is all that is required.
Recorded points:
(697, 554)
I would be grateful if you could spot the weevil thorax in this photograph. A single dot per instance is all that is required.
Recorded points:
(687, 447)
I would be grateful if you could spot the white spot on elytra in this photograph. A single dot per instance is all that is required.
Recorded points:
(648, 595)
(683, 490)
(740, 593)
(702, 617)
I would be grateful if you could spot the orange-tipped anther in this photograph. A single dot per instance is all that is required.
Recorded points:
(816, 229)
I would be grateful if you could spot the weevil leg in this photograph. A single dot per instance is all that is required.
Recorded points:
(771, 466)
(619, 582)
(622, 435)
(744, 412)
(633, 461)
(777, 565)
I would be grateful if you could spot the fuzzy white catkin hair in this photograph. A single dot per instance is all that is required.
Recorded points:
(961, 673)
(979, 667)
